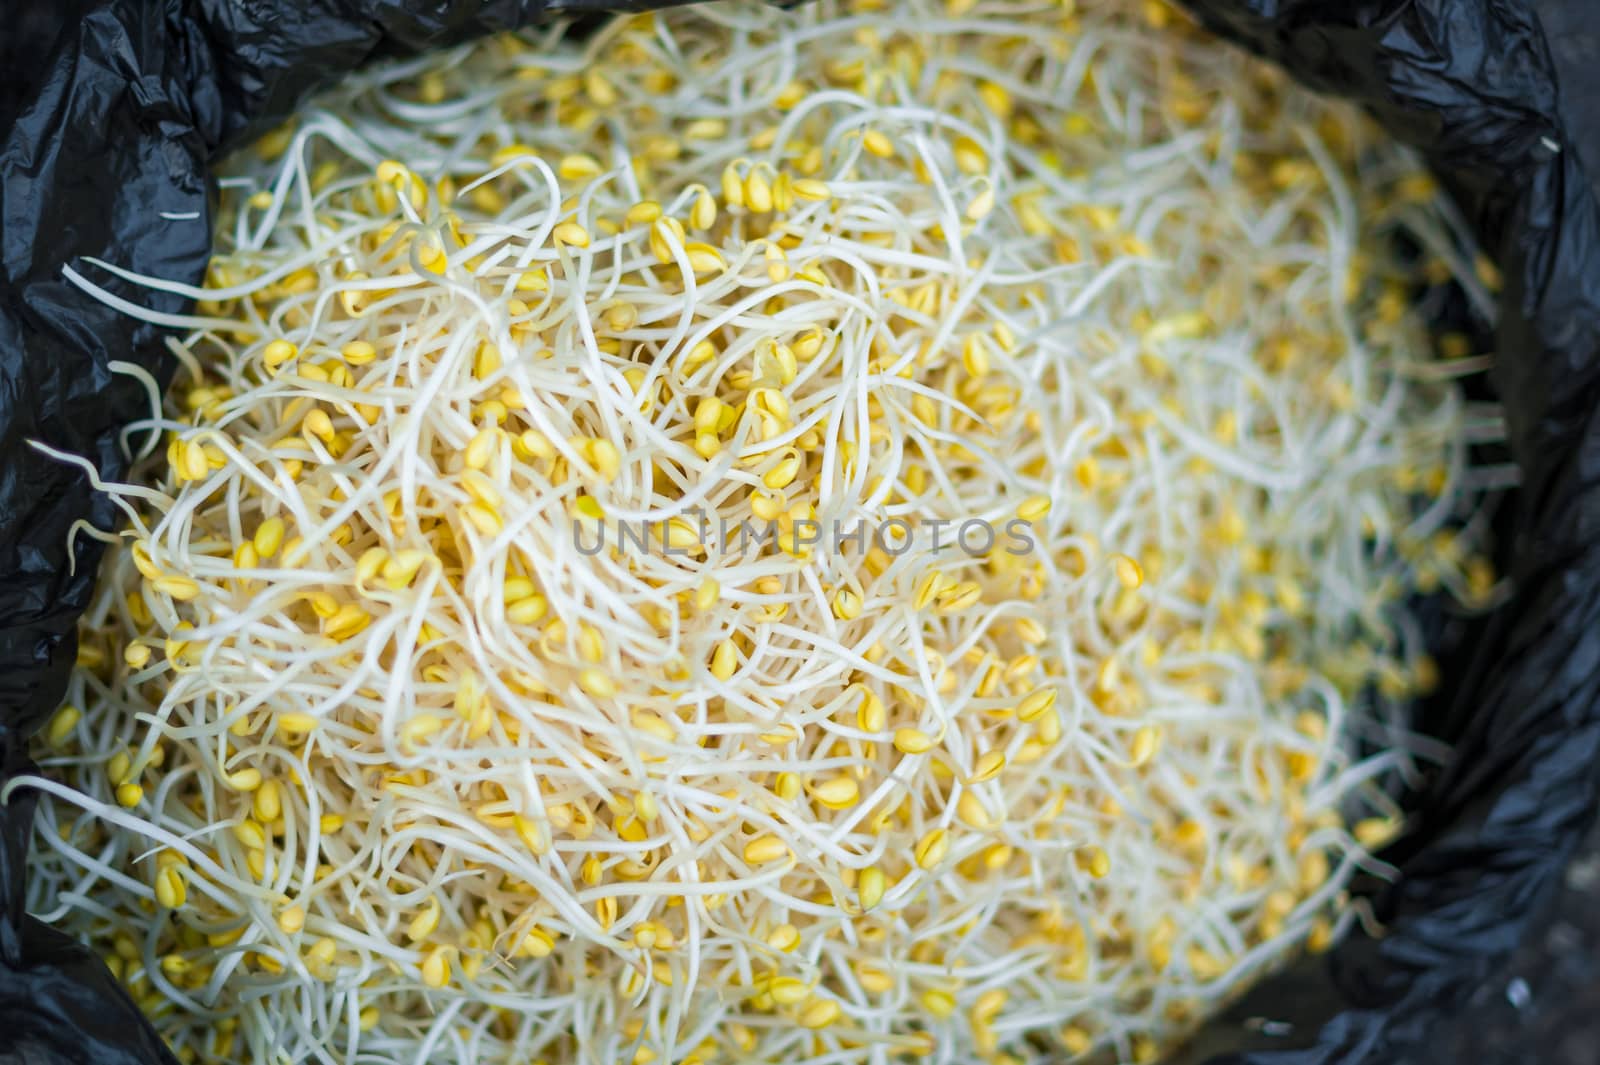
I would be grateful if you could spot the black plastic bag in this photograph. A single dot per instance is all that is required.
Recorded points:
(137, 98)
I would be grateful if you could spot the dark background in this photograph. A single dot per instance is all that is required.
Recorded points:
(1544, 1008)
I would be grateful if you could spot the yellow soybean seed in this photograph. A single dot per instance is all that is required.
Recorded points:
(480, 449)
(171, 892)
(939, 1003)
(129, 794)
(707, 594)
(878, 144)
(724, 660)
(317, 424)
(871, 715)
(292, 920)
(296, 722)
(571, 233)
(912, 741)
(358, 352)
(651, 935)
(700, 354)
(643, 213)
(837, 793)
(600, 90)
(425, 922)
(346, 622)
(268, 537)
(982, 205)
(597, 683)
(1144, 745)
(781, 736)
(785, 937)
(787, 991)
(400, 569)
(959, 597)
(975, 355)
(757, 193)
(532, 444)
(666, 235)
(989, 1004)
(820, 1013)
(1320, 937)
(61, 725)
(192, 462)
(268, 802)
(654, 725)
(931, 848)
(784, 473)
(1314, 870)
(704, 259)
(591, 645)
(1029, 631)
(527, 611)
(680, 535)
(482, 518)
(1190, 835)
(732, 186)
(251, 834)
(970, 809)
(929, 586)
(180, 588)
(1076, 1040)
(708, 414)
(578, 167)
(811, 189)
(987, 767)
(766, 507)
(788, 786)
(764, 849)
(870, 886)
(1036, 705)
(436, 967)
(705, 129)
(873, 980)
(535, 835)
(527, 281)
(140, 553)
(1375, 832)
(1129, 573)
(1033, 508)
(278, 352)
(248, 779)
(621, 317)
(704, 213)
(370, 563)
(538, 943)
(1094, 861)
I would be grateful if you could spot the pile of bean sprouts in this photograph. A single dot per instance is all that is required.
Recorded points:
(868, 532)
